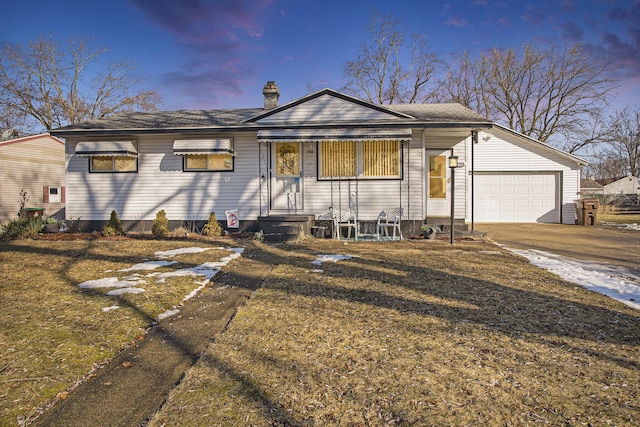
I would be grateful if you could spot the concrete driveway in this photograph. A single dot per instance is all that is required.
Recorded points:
(597, 243)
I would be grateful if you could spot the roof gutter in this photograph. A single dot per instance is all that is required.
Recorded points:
(254, 127)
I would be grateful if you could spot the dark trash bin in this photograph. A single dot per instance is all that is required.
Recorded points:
(34, 212)
(587, 211)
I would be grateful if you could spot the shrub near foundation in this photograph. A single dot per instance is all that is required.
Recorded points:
(114, 227)
(160, 226)
(212, 227)
(21, 228)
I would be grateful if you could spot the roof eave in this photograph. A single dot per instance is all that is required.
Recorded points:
(248, 127)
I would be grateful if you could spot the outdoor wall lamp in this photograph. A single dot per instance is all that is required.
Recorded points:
(453, 162)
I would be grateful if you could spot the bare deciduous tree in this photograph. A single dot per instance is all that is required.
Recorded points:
(379, 73)
(51, 85)
(537, 92)
(623, 138)
(605, 167)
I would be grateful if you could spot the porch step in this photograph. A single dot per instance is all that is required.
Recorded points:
(280, 237)
(281, 233)
(445, 224)
(285, 228)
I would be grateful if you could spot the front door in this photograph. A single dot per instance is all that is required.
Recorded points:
(286, 188)
(438, 183)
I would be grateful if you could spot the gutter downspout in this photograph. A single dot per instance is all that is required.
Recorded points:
(474, 141)
(402, 172)
(424, 177)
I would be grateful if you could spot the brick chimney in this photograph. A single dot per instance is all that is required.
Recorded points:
(271, 95)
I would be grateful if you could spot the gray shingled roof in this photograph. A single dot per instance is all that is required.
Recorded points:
(198, 119)
(590, 184)
(439, 112)
(167, 120)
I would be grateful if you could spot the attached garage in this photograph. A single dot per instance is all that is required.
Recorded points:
(517, 197)
(519, 179)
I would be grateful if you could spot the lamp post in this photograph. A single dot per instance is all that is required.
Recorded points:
(453, 164)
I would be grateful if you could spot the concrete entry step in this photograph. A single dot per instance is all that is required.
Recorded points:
(285, 228)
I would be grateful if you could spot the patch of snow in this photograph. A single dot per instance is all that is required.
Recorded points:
(329, 257)
(317, 270)
(174, 252)
(213, 264)
(168, 313)
(128, 285)
(199, 270)
(614, 281)
(632, 226)
(194, 292)
(135, 277)
(109, 282)
(122, 291)
(149, 265)
(111, 308)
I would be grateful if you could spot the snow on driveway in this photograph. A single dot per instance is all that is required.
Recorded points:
(616, 282)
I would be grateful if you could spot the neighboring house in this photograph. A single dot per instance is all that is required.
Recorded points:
(626, 185)
(590, 187)
(325, 150)
(35, 164)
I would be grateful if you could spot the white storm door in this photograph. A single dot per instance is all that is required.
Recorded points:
(438, 183)
(286, 188)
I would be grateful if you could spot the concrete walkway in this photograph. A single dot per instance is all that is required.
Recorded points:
(596, 243)
(134, 385)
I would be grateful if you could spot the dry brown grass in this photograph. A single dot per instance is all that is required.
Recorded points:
(416, 333)
(620, 218)
(53, 333)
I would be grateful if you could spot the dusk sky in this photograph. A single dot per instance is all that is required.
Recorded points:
(220, 53)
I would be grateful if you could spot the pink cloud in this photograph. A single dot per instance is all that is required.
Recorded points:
(203, 19)
(218, 37)
(457, 22)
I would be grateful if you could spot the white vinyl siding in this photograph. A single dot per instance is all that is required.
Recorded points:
(326, 108)
(161, 184)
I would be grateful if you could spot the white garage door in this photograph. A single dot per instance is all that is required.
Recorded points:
(516, 197)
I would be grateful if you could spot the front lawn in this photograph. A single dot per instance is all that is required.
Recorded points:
(620, 218)
(402, 333)
(55, 333)
(416, 333)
